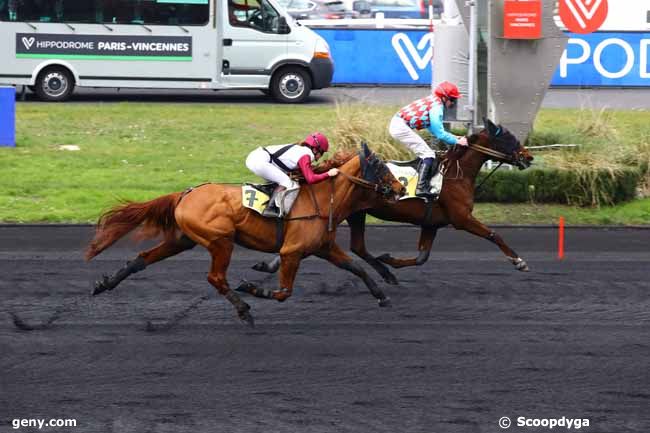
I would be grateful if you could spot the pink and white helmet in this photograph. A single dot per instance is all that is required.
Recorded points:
(317, 141)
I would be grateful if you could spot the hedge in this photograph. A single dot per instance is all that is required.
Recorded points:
(585, 188)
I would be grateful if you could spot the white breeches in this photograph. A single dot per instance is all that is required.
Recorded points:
(259, 162)
(401, 132)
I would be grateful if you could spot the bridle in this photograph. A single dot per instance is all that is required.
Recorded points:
(379, 171)
(516, 158)
(375, 181)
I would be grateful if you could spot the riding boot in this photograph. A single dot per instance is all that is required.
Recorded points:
(272, 209)
(424, 173)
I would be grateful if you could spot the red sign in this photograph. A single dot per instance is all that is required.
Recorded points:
(583, 16)
(522, 19)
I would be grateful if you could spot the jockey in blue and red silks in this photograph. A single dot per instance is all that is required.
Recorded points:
(274, 163)
(426, 113)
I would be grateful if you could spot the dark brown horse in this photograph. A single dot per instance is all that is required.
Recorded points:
(454, 206)
(213, 216)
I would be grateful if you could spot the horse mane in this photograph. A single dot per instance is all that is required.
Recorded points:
(338, 159)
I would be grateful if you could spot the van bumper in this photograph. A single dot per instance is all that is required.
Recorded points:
(322, 71)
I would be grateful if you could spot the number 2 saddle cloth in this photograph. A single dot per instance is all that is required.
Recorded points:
(407, 173)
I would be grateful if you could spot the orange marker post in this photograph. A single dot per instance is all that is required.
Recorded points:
(560, 240)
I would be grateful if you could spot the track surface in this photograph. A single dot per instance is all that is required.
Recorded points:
(468, 340)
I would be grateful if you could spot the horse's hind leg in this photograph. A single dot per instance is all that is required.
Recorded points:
(165, 249)
(269, 267)
(477, 228)
(427, 236)
(357, 223)
(338, 257)
(221, 252)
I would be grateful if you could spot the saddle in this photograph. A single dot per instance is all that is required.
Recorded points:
(407, 173)
(259, 197)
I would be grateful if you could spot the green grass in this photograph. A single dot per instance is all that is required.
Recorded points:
(140, 151)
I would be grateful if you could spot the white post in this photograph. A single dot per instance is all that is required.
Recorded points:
(472, 70)
(431, 42)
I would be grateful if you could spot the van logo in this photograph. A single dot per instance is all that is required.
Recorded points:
(583, 16)
(28, 42)
(409, 54)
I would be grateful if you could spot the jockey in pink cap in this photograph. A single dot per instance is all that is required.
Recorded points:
(274, 163)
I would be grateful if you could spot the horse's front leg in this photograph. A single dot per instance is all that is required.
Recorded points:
(474, 226)
(335, 255)
(427, 236)
(357, 223)
(289, 263)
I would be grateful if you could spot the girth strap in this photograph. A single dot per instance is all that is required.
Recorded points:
(279, 233)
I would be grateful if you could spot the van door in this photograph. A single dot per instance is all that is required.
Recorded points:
(252, 43)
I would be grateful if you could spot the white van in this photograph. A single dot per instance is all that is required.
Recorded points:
(54, 45)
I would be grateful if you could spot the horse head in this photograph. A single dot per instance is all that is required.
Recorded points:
(374, 171)
(504, 146)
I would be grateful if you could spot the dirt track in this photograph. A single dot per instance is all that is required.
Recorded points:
(468, 339)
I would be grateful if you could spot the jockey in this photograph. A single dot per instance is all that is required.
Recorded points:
(274, 163)
(427, 113)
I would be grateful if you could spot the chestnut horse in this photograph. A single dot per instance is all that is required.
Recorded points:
(213, 216)
(454, 205)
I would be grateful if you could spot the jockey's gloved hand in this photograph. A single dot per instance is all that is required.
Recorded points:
(461, 141)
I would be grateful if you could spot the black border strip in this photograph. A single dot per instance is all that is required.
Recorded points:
(87, 77)
(14, 76)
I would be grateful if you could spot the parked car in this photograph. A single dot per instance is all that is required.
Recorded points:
(405, 8)
(318, 9)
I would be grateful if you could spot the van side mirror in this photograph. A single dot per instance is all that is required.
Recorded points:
(283, 27)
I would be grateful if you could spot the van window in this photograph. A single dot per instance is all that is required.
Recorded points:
(153, 12)
(256, 14)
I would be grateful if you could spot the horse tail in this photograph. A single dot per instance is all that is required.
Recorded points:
(152, 218)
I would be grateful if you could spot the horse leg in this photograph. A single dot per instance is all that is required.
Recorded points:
(221, 252)
(357, 223)
(289, 263)
(427, 236)
(338, 257)
(474, 226)
(165, 249)
(269, 267)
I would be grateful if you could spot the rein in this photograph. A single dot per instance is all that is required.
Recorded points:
(330, 216)
(490, 152)
(478, 188)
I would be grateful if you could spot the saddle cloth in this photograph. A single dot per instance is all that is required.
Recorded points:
(256, 197)
(407, 173)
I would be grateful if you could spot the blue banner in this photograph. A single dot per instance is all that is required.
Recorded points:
(605, 59)
(379, 56)
(7, 116)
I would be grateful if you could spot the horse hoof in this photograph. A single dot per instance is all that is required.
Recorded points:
(247, 317)
(384, 258)
(100, 287)
(245, 287)
(522, 266)
(384, 302)
(261, 267)
(391, 279)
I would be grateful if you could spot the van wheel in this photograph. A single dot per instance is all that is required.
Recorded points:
(54, 84)
(291, 85)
